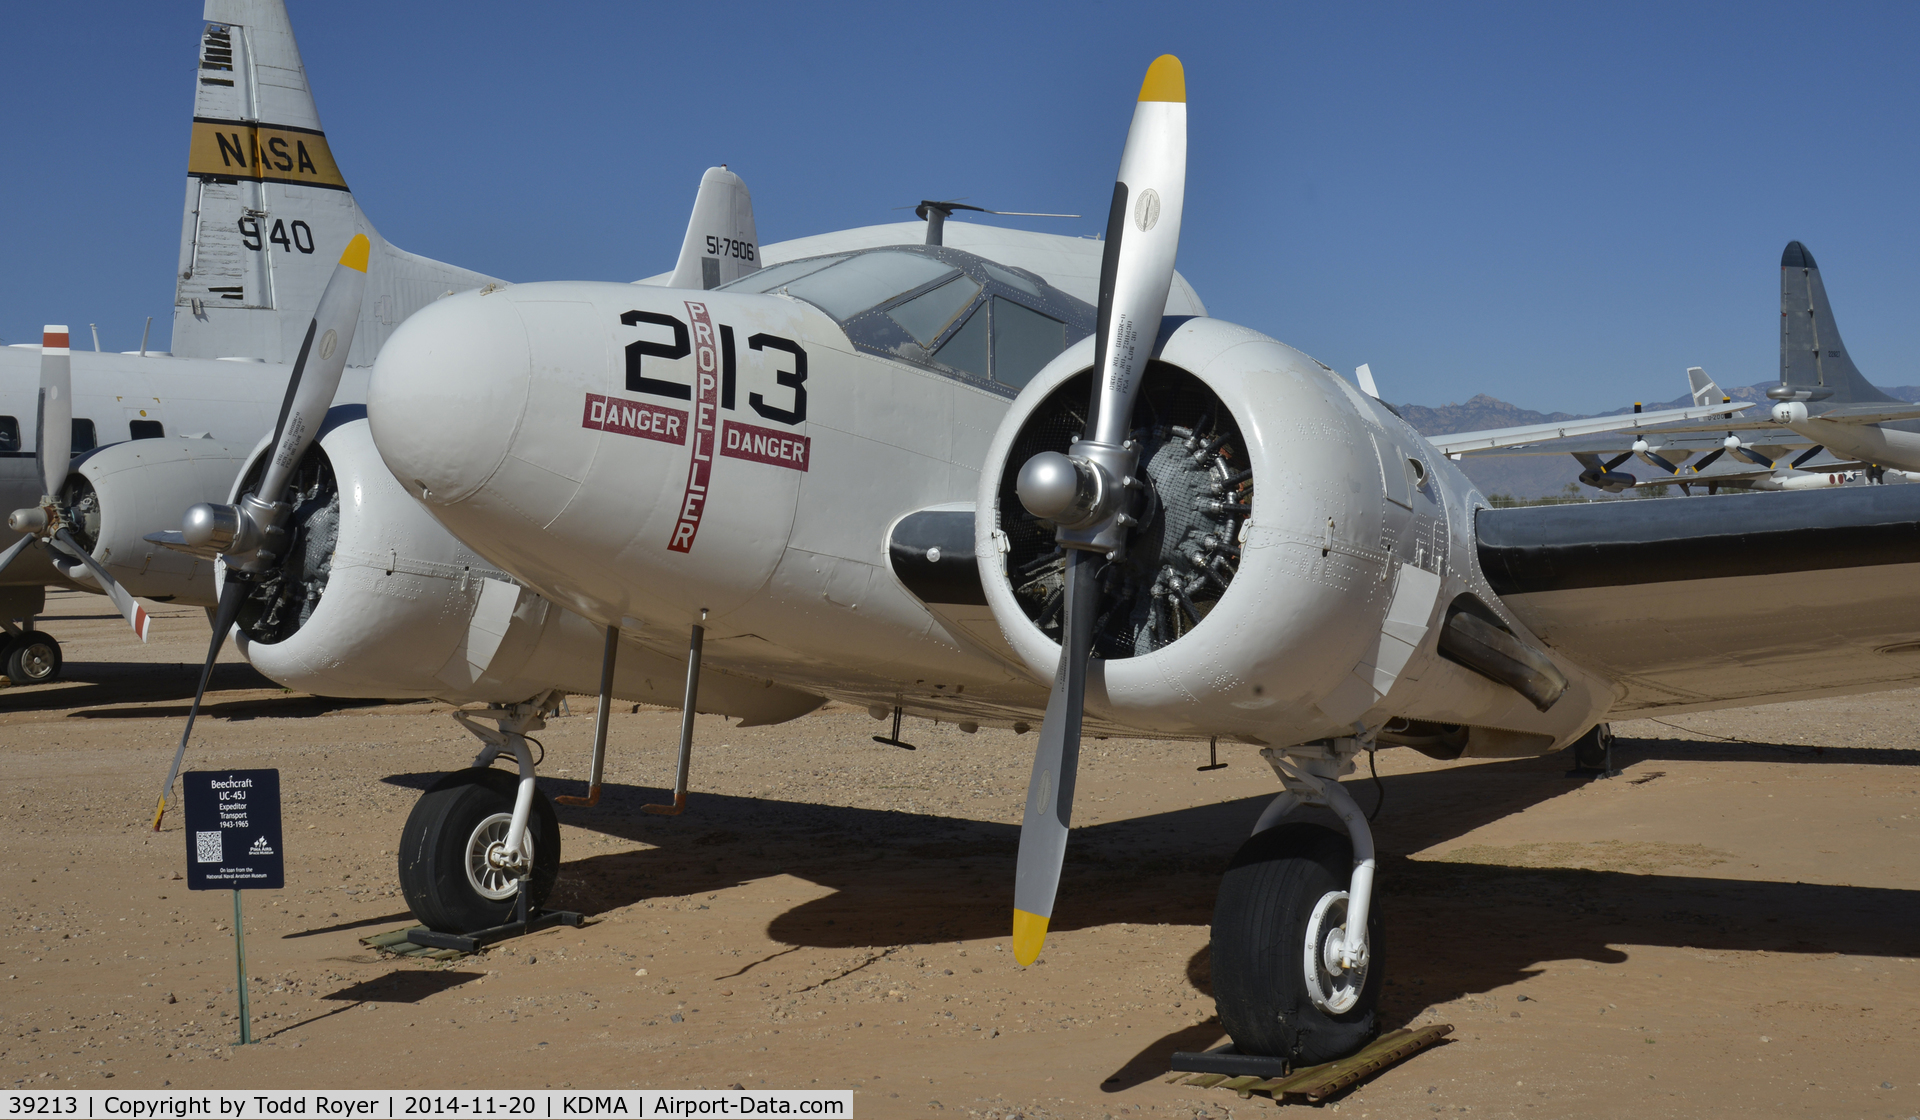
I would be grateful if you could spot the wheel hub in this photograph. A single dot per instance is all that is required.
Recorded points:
(493, 871)
(1333, 987)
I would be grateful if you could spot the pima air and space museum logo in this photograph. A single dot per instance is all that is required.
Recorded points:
(269, 153)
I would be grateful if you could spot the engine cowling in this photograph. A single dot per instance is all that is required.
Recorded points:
(1291, 567)
(374, 598)
(120, 493)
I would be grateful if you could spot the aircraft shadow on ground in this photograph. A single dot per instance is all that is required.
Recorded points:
(1629, 751)
(84, 683)
(902, 877)
(133, 688)
(1452, 929)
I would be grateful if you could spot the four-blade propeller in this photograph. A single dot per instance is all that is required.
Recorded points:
(49, 522)
(252, 535)
(1091, 494)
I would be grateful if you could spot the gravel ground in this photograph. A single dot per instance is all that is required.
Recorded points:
(1727, 929)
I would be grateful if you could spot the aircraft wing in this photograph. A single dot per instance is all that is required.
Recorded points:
(1456, 443)
(1708, 602)
(1868, 412)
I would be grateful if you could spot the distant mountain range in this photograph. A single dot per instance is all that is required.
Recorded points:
(1534, 476)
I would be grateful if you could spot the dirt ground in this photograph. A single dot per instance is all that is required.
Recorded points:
(1729, 928)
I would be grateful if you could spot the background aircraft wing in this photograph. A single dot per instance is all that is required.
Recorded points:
(1695, 603)
(1459, 442)
(1688, 439)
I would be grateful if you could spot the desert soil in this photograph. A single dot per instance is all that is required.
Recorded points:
(1728, 928)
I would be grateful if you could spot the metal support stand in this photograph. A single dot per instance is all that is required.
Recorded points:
(893, 740)
(240, 965)
(686, 725)
(1213, 756)
(607, 656)
(522, 924)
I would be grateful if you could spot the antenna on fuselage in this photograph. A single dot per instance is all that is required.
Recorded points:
(935, 214)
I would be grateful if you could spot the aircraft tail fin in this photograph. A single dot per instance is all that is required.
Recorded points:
(268, 211)
(1811, 353)
(1705, 392)
(721, 244)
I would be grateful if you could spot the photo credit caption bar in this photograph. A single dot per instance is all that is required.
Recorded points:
(161, 1104)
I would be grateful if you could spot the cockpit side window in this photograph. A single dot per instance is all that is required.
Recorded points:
(927, 316)
(1024, 341)
(966, 351)
(9, 434)
(84, 438)
(775, 276)
(867, 280)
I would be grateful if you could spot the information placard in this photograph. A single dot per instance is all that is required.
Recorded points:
(233, 830)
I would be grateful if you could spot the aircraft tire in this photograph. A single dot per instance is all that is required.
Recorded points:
(1268, 898)
(1590, 751)
(32, 658)
(452, 821)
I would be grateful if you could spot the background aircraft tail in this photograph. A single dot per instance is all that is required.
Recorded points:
(1811, 353)
(720, 244)
(268, 211)
(1705, 392)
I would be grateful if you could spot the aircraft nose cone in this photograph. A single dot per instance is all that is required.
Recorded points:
(447, 394)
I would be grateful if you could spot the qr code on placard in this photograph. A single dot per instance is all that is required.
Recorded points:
(206, 847)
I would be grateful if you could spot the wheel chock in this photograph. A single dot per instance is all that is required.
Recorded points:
(473, 942)
(1247, 1074)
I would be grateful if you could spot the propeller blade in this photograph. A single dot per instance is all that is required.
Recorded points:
(1661, 461)
(1619, 459)
(1056, 762)
(1707, 460)
(316, 372)
(1143, 236)
(13, 550)
(137, 616)
(1808, 454)
(1752, 456)
(53, 431)
(232, 593)
(1136, 270)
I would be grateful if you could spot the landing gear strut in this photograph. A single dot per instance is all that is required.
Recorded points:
(1296, 959)
(480, 843)
(1593, 753)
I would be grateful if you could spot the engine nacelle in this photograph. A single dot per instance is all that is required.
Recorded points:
(122, 492)
(1292, 567)
(374, 598)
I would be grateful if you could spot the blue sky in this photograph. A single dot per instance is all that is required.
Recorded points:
(1564, 206)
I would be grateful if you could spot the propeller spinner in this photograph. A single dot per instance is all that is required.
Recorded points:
(1091, 494)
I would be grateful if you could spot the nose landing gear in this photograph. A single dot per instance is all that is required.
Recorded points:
(1296, 958)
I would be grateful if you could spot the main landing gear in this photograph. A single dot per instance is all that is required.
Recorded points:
(1296, 958)
(30, 656)
(27, 656)
(479, 837)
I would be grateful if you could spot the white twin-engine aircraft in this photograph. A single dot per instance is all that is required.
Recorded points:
(932, 478)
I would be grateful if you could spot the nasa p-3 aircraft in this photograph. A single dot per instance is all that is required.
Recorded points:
(266, 213)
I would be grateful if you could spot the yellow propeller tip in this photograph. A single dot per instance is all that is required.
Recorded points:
(1029, 934)
(358, 250)
(1166, 81)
